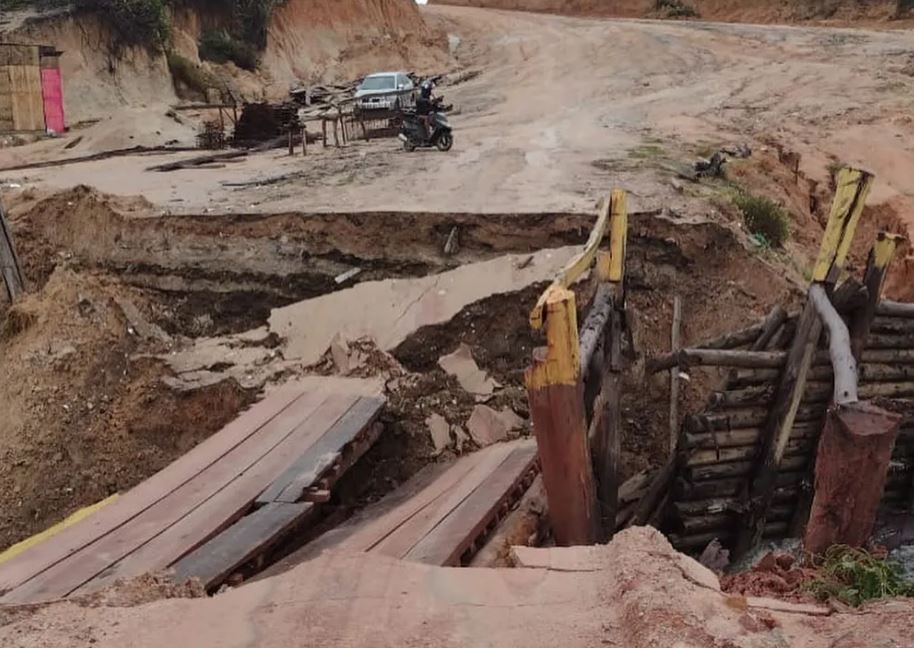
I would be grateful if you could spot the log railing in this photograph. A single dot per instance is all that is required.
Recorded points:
(578, 430)
(746, 466)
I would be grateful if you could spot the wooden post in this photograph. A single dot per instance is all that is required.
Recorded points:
(291, 142)
(874, 279)
(851, 469)
(324, 131)
(556, 394)
(339, 116)
(674, 375)
(9, 261)
(853, 186)
(304, 140)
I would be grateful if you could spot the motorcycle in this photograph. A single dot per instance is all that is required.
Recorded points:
(413, 133)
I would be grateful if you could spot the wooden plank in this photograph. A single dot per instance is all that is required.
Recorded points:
(103, 552)
(576, 266)
(414, 496)
(253, 534)
(71, 540)
(411, 532)
(307, 469)
(25, 92)
(180, 535)
(453, 535)
(853, 186)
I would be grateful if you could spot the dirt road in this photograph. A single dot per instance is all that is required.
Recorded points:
(566, 107)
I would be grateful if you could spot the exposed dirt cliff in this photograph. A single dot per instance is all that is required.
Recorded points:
(307, 40)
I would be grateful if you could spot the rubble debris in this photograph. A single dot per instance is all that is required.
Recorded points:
(346, 276)
(715, 557)
(488, 426)
(440, 432)
(139, 324)
(463, 367)
(713, 167)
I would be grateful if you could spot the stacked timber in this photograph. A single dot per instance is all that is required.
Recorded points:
(720, 446)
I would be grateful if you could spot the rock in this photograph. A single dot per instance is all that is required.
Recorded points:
(440, 432)
(463, 367)
(488, 426)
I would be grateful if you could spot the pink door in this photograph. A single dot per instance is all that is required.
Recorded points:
(52, 95)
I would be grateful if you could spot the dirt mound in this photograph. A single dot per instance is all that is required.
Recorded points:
(756, 11)
(82, 416)
(635, 592)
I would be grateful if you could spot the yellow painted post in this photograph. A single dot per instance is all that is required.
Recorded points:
(877, 268)
(853, 186)
(556, 395)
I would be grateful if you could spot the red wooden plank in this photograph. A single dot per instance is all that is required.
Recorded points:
(399, 543)
(228, 504)
(446, 543)
(30, 563)
(250, 536)
(84, 565)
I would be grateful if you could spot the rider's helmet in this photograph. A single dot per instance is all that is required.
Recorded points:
(425, 90)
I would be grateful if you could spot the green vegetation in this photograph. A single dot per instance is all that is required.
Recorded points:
(854, 576)
(674, 9)
(767, 220)
(221, 47)
(194, 77)
(136, 22)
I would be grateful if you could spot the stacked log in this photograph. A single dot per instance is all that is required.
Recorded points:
(719, 446)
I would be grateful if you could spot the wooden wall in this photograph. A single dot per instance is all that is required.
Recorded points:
(21, 104)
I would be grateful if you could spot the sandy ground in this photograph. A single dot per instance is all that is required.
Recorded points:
(566, 107)
(635, 592)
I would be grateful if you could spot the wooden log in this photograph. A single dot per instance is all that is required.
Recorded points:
(783, 495)
(735, 339)
(890, 308)
(889, 341)
(684, 489)
(658, 489)
(893, 325)
(684, 542)
(749, 417)
(889, 356)
(198, 160)
(739, 469)
(674, 374)
(843, 363)
(709, 456)
(594, 327)
(772, 324)
(874, 279)
(717, 358)
(777, 427)
(555, 392)
(10, 269)
(857, 441)
(701, 523)
(743, 437)
(304, 140)
(324, 132)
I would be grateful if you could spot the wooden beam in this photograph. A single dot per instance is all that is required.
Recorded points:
(853, 187)
(675, 343)
(717, 358)
(9, 261)
(895, 309)
(576, 266)
(877, 267)
(556, 395)
(839, 347)
(770, 327)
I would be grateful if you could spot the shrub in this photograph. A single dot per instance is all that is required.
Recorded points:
(674, 9)
(136, 22)
(764, 218)
(185, 71)
(854, 576)
(220, 47)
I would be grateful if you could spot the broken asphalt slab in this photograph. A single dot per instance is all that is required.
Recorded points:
(389, 311)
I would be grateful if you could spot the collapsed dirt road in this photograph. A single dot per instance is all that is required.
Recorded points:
(565, 107)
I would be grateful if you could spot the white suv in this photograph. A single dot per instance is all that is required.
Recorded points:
(385, 91)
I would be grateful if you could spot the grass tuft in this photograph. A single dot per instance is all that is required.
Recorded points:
(767, 220)
(855, 576)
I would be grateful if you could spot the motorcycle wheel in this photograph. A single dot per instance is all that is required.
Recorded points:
(408, 146)
(445, 142)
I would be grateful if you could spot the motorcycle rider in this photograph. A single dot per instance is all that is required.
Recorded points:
(425, 106)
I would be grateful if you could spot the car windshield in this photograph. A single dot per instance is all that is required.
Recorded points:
(385, 82)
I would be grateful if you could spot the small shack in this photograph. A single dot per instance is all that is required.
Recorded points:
(31, 92)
